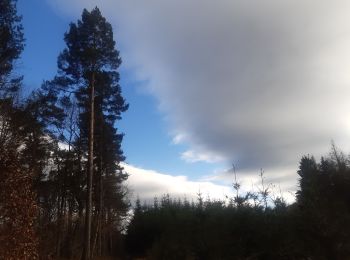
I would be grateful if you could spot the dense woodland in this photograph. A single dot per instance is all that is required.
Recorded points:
(62, 192)
(256, 225)
(61, 179)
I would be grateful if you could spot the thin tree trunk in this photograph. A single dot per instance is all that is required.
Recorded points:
(100, 193)
(70, 237)
(97, 235)
(110, 243)
(87, 253)
(100, 220)
(60, 203)
(59, 218)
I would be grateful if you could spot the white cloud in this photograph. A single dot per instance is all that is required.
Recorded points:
(257, 82)
(179, 138)
(148, 184)
(195, 156)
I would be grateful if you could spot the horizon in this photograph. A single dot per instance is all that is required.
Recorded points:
(226, 84)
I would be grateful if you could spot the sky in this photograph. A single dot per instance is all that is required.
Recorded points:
(257, 84)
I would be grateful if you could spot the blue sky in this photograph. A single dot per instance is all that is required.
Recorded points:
(210, 83)
(147, 142)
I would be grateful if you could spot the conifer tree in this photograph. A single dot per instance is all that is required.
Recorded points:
(11, 46)
(87, 68)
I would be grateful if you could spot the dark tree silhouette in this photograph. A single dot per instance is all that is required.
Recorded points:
(324, 204)
(11, 46)
(18, 160)
(260, 226)
(88, 77)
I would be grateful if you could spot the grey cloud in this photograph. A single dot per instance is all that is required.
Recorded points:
(256, 82)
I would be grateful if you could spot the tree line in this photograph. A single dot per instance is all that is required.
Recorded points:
(253, 225)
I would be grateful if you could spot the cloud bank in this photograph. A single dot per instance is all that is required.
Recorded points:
(258, 83)
(148, 184)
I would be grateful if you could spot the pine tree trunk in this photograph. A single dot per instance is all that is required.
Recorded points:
(59, 222)
(70, 236)
(97, 236)
(100, 219)
(60, 203)
(94, 241)
(87, 253)
(100, 195)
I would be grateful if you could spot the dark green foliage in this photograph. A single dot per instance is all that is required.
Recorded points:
(324, 203)
(11, 46)
(91, 50)
(316, 226)
(90, 60)
(179, 230)
(47, 134)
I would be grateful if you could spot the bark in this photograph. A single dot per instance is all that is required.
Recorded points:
(97, 234)
(100, 219)
(87, 244)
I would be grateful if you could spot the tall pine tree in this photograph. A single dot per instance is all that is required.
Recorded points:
(88, 76)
